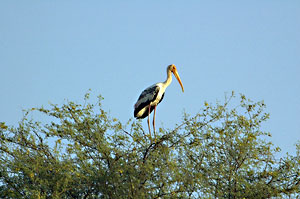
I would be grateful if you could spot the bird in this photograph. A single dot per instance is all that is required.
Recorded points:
(153, 95)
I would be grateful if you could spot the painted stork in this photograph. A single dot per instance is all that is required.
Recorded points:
(153, 95)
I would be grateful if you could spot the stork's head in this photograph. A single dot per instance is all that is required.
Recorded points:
(173, 69)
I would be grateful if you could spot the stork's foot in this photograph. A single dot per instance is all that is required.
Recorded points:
(149, 136)
(152, 139)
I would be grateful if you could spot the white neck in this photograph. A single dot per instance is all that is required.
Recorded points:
(169, 78)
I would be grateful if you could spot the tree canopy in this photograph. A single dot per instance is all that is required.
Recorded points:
(83, 152)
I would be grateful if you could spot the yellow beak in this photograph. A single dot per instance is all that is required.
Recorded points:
(178, 78)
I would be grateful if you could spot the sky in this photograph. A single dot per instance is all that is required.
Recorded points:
(54, 51)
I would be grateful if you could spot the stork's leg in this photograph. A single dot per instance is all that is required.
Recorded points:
(154, 122)
(149, 121)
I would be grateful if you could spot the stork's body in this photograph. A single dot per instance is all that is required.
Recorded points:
(153, 95)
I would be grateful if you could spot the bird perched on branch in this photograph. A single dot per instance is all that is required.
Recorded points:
(153, 95)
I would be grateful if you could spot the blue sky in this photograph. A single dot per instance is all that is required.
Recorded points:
(55, 50)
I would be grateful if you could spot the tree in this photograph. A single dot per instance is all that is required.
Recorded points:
(82, 152)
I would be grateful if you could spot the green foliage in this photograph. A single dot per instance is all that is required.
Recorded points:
(82, 152)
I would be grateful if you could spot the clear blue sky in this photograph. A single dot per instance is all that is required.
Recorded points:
(55, 50)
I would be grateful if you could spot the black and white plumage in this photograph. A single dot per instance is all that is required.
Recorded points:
(153, 95)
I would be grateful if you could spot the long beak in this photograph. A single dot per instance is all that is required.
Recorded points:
(178, 78)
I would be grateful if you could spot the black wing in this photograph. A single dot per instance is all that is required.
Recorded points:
(146, 97)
